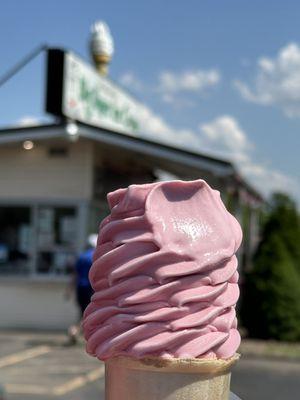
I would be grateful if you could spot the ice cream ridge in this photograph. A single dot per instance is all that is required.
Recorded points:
(165, 275)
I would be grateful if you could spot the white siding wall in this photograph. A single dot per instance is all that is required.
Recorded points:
(32, 174)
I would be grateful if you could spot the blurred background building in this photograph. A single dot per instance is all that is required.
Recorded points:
(54, 179)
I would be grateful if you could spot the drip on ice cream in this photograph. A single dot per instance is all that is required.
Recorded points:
(165, 275)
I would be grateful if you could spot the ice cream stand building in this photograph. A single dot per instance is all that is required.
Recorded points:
(54, 179)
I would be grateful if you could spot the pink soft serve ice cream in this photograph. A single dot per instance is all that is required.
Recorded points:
(165, 275)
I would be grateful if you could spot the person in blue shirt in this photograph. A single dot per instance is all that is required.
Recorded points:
(84, 289)
(80, 282)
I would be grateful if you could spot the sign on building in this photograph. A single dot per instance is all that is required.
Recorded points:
(76, 90)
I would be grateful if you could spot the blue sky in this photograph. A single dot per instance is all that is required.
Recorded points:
(224, 76)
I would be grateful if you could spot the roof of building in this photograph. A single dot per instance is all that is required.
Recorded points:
(175, 155)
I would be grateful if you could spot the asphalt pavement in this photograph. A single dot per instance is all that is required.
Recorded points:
(39, 366)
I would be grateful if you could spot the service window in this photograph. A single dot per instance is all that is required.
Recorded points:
(57, 236)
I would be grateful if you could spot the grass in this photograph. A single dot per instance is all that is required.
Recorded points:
(270, 348)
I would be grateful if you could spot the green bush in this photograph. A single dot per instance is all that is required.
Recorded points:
(271, 300)
(284, 219)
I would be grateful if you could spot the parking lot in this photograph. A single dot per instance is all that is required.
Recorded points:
(43, 366)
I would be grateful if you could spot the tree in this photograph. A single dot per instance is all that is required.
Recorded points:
(284, 219)
(271, 302)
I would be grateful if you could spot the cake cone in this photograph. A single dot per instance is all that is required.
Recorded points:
(168, 379)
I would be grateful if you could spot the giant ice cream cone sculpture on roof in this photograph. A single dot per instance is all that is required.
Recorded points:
(165, 280)
(101, 46)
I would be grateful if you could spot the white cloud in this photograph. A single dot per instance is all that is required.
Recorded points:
(188, 81)
(156, 128)
(176, 101)
(170, 84)
(225, 137)
(28, 120)
(277, 81)
(130, 80)
(269, 180)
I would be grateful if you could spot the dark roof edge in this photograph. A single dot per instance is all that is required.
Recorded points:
(16, 129)
(162, 145)
(237, 176)
(61, 124)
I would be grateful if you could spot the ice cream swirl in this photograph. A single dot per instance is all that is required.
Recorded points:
(165, 274)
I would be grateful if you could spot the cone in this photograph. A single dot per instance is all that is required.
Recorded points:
(168, 379)
(101, 62)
